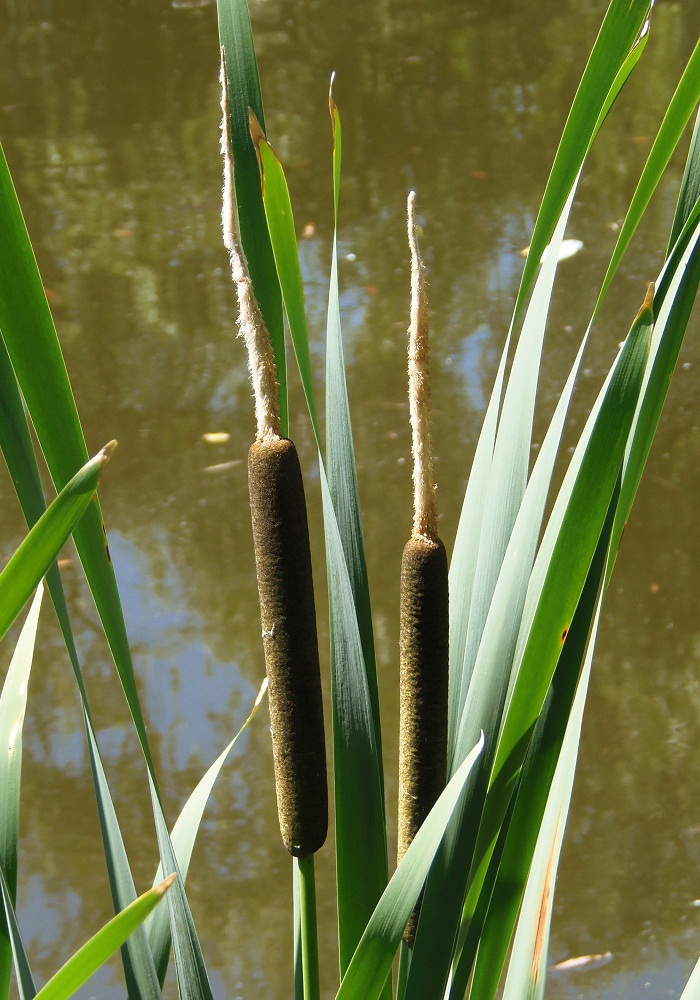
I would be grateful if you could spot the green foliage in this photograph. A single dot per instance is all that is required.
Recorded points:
(526, 585)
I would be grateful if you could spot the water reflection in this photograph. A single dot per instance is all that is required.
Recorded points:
(109, 118)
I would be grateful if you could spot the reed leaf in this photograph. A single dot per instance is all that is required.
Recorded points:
(28, 331)
(13, 705)
(183, 836)
(25, 979)
(95, 952)
(371, 963)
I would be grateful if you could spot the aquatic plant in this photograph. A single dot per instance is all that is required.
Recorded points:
(528, 574)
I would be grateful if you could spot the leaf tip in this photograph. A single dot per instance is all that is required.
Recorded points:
(107, 451)
(163, 887)
(256, 130)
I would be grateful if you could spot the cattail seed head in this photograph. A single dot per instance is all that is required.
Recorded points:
(285, 587)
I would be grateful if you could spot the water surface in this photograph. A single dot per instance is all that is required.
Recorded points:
(109, 118)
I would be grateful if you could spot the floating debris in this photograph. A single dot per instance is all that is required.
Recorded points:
(586, 962)
(216, 437)
(222, 466)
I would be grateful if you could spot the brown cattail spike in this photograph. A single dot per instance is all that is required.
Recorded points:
(283, 561)
(424, 621)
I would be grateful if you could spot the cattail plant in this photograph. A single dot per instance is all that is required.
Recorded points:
(283, 563)
(424, 622)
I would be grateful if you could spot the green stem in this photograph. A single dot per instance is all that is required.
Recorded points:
(309, 936)
(404, 966)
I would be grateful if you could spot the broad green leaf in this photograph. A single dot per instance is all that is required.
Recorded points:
(500, 633)
(15, 441)
(40, 547)
(680, 280)
(371, 963)
(139, 968)
(528, 963)
(359, 801)
(504, 496)
(689, 189)
(280, 225)
(591, 101)
(192, 980)
(13, 705)
(27, 329)
(236, 39)
(490, 677)
(340, 451)
(620, 30)
(681, 107)
(492, 928)
(585, 503)
(25, 980)
(356, 811)
(99, 948)
(183, 837)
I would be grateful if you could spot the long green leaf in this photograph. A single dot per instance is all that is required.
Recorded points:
(25, 980)
(95, 952)
(585, 503)
(528, 963)
(371, 963)
(13, 704)
(139, 968)
(27, 329)
(280, 225)
(340, 451)
(620, 30)
(463, 567)
(489, 675)
(484, 692)
(192, 979)
(360, 824)
(680, 108)
(183, 837)
(690, 187)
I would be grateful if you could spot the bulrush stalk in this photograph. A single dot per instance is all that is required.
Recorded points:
(424, 622)
(283, 562)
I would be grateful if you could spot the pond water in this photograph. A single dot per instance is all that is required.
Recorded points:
(109, 117)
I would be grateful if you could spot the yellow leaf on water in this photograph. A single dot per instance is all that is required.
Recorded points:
(216, 437)
(584, 962)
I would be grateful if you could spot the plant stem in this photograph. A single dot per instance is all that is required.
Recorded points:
(309, 936)
(404, 967)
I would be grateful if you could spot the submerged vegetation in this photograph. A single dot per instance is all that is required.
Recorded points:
(492, 711)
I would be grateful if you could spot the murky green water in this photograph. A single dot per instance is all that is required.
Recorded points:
(109, 118)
